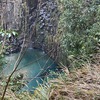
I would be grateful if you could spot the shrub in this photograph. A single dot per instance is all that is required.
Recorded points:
(79, 27)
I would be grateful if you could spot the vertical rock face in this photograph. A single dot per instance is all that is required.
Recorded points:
(10, 14)
(10, 19)
(41, 19)
(46, 22)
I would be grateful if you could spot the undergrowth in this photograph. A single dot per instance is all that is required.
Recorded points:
(79, 84)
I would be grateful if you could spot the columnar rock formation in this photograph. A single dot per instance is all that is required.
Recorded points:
(10, 14)
(40, 21)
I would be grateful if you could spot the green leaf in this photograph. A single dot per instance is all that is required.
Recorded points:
(9, 35)
(14, 33)
(0, 32)
(3, 34)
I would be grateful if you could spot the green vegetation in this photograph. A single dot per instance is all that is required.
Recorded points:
(79, 25)
(4, 36)
(78, 36)
(7, 33)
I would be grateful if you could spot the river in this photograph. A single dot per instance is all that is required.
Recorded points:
(33, 64)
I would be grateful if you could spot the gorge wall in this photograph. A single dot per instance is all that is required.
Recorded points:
(38, 18)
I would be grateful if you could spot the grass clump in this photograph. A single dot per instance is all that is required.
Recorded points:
(80, 84)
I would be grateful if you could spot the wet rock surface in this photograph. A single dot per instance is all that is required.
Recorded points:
(13, 44)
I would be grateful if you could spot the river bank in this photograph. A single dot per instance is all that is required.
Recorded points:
(79, 84)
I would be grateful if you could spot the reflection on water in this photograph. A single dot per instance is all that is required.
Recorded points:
(33, 63)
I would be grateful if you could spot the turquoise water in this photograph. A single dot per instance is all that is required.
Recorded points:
(32, 65)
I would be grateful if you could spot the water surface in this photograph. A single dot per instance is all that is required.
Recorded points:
(32, 65)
